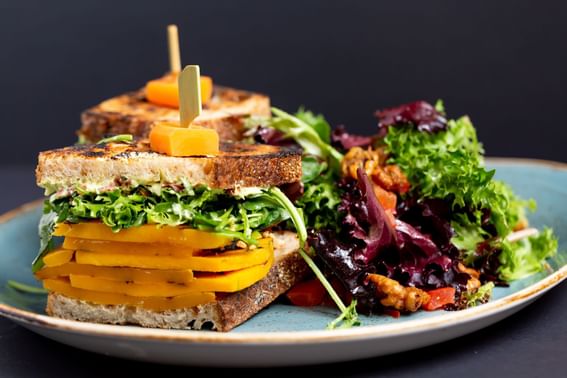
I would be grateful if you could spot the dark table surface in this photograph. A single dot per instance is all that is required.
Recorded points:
(531, 343)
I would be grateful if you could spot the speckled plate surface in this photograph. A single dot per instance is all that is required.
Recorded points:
(285, 335)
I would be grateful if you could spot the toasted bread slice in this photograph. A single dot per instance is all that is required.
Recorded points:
(222, 315)
(106, 166)
(132, 114)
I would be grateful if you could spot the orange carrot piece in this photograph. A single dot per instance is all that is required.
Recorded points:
(172, 140)
(164, 91)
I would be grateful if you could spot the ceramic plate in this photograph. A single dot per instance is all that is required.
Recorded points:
(286, 335)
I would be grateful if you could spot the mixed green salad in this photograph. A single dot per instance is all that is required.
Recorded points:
(409, 217)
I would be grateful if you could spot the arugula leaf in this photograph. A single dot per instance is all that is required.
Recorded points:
(25, 288)
(307, 137)
(527, 256)
(120, 138)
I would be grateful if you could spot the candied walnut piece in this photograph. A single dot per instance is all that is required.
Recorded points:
(473, 283)
(373, 161)
(397, 296)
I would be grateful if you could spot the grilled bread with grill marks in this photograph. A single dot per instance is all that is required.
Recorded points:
(238, 165)
(132, 114)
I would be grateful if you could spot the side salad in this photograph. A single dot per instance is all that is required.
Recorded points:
(406, 219)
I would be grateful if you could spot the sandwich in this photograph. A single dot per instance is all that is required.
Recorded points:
(134, 113)
(134, 236)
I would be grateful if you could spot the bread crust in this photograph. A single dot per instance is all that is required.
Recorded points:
(104, 166)
(130, 113)
(223, 315)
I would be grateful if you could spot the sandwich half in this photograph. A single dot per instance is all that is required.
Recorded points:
(131, 236)
(133, 113)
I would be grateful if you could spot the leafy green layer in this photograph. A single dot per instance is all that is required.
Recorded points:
(200, 208)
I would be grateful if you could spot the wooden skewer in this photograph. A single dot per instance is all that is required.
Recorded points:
(173, 46)
(190, 106)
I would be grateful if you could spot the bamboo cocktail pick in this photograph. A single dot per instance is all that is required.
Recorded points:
(190, 106)
(173, 47)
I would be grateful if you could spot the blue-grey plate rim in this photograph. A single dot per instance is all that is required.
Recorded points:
(444, 320)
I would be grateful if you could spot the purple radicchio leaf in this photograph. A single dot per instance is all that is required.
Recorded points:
(420, 114)
(429, 216)
(338, 258)
(379, 233)
(344, 141)
(271, 136)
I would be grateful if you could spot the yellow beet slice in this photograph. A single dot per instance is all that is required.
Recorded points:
(180, 276)
(63, 286)
(165, 91)
(205, 261)
(187, 237)
(57, 257)
(146, 249)
(133, 261)
(208, 262)
(172, 140)
(229, 282)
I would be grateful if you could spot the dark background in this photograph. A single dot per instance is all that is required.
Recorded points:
(502, 62)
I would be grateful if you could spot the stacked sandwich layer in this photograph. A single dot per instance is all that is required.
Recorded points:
(132, 114)
(178, 242)
(150, 267)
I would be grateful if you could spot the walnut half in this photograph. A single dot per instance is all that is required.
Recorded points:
(397, 296)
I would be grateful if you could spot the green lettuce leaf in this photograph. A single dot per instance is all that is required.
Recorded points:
(307, 133)
(482, 295)
(46, 243)
(527, 256)
(120, 138)
(449, 165)
(317, 122)
(320, 202)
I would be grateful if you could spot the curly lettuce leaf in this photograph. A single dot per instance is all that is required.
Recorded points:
(527, 256)
(449, 165)
(320, 201)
